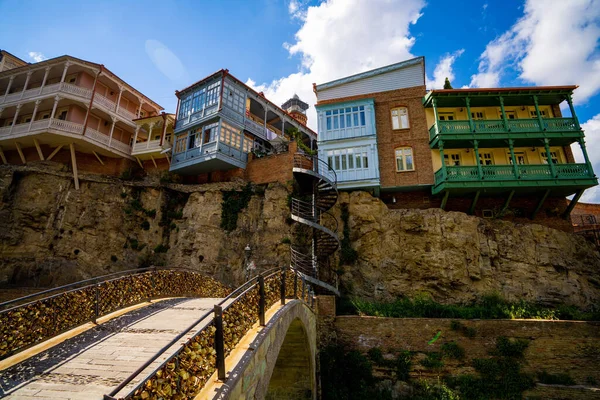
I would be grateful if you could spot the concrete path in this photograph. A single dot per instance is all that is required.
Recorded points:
(93, 363)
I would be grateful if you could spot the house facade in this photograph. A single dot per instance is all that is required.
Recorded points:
(66, 107)
(372, 129)
(221, 121)
(502, 149)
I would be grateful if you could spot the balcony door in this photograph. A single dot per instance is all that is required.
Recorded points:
(452, 159)
(520, 156)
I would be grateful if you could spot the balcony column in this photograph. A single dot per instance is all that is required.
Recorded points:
(139, 111)
(511, 146)
(121, 89)
(441, 147)
(282, 127)
(471, 124)
(26, 83)
(537, 111)
(137, 129)
(435, 117)
(45, 78)
(15, 118)
(149, 135)
(479, 169)
(64, 74)
(112, 128)
(265, 124)
(572, 108)
(35, 108)
(581, 142)
(549, 156)
(503, 111)
(10, 82)
(56, 100)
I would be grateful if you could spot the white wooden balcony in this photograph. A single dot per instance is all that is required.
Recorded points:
(147, 147)
(45, 91)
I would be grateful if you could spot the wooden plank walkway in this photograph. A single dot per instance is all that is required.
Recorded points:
(93, 363)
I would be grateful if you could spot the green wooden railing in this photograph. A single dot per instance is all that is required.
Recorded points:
(499, 126)
(507, 173)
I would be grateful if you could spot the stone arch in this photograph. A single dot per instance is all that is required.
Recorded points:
(291, 330)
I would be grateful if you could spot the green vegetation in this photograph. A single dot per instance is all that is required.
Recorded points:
(423, 390)
(113, 258)
(286, 240)
(500, 376)
(145, 225)
(150, 213)
(123, 195)
(433, 361)
(555, 379)
(453, 350)
(348, 255)
(467, 331)
(295, 134)
(233, 202)
(346, 375)
(161, 248)
(488, 307)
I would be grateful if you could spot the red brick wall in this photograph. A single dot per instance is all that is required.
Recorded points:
(556, 346)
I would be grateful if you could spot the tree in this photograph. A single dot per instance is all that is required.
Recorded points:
(447, 84)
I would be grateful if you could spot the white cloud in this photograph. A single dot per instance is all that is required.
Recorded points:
(166, 61)
(592, 134)
(554, 43)
(444, 70)
(340, 38)
(36, 56)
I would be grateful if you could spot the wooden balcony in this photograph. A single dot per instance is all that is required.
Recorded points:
(153, 146)
(565, 178)
(495, 132)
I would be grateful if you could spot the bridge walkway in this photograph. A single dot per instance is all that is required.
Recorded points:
(93, 363)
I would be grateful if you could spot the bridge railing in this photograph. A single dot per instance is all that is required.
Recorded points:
(184, 373)
(31, 320)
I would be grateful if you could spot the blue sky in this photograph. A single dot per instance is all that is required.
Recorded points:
(283, 46)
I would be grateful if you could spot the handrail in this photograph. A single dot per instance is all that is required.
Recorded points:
(176, 365)
(316, 165)
(24, 325)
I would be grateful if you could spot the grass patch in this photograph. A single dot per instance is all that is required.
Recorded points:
(488, 307)
(161, 248)
(453, 350)
(150, 213)
(432, 361)
(286, 240)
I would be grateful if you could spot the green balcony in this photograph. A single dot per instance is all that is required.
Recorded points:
(564, 179)
(496, 132)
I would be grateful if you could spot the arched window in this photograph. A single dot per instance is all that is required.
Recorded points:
(400, 118)
(404, 159)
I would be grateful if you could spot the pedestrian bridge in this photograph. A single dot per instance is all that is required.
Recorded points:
(161, 334)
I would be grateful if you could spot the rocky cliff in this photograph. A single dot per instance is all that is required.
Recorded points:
(52, 234)
(456, 257)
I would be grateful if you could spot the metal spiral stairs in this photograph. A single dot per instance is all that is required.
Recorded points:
(319, 182)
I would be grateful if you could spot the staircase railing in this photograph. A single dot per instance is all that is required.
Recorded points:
(185, 372)
(32, 319)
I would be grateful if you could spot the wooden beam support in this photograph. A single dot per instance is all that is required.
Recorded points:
(38, 148)
(56, 150)
(74, 164)
(474, 202)
(168, 159)
(506, 204)
(540, 204)
(573, 203)
(2, 156)
(445, 200)
(20, 152)
(152, 158)
(98, 157)
(139, 162)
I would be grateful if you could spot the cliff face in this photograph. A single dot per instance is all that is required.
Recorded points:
(52, 234)
(456, 257)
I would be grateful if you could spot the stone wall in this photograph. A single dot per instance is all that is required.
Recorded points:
(570, 347)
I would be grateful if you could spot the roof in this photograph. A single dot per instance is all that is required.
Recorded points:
(295, 101)
(367, 74)
(161, 115)
(89, 63)
(226, 72)
(4, 52)
(550, 94)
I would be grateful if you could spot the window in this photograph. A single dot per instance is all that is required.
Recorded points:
(63, 115)
(212, 93)
(248, 144)
(554, 154)
(184, 107)
(446, 116)
(520, 157)
(180, 144)
(234, 97)
(195, 138)
(230, 135)
(211, 132)
(348, 117)
(452, 159)
(509, 114)
(543, 113)
(45, 115)
(486, 159)
(477, 115)
(348, 159)
(400, 118)
(404, 159)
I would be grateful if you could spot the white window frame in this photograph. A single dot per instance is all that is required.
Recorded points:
(398, 122)
(405, 151)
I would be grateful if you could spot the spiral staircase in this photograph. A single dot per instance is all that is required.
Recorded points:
(319, 182)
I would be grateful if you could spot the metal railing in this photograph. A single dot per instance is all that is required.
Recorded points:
(185, 372)
(33, 319)
(316, 165)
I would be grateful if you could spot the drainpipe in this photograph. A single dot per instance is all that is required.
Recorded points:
(85, 124)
